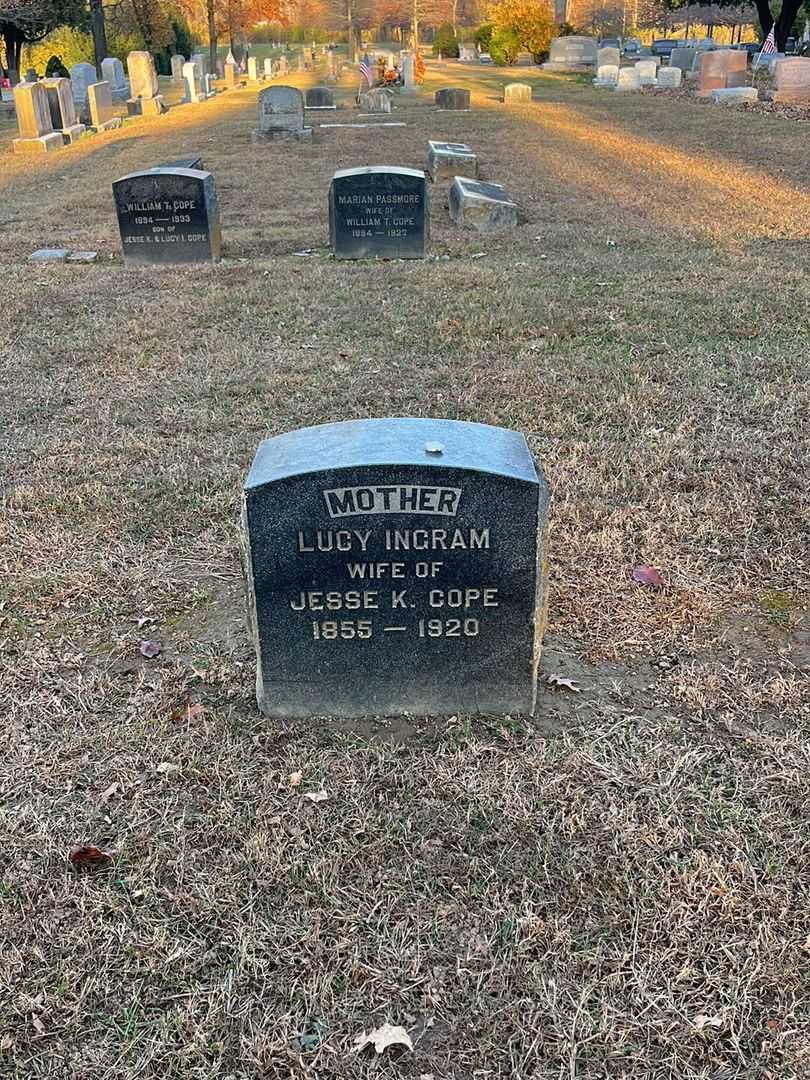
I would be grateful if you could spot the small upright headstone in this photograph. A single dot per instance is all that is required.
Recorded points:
(607, 75)
(319, 97)
(200, 61)
(722, 69)
(379, 212)
(445, 160)
(268, 67)
(143, 85)
(81, 75)
(647, 71)
(669, 78)
(30, 75)
(281, 114)
(112, 72)
(517, 93)
(377, 100)
(34, 120)
(331, 63)
(792, 80)
(682, 58)
(628, 79)
(231, 76)
(178, 60)
(101, 116)
(253, 69)
(283, 66)
(484, 207)
(608, 55)
(408, 74)
(63, 109)
(395, 566)
(168, 215)
(574, 52)
(191, 86)
(453, 99)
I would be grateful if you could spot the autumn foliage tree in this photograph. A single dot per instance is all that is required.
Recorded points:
(23, 22)
(531, 22)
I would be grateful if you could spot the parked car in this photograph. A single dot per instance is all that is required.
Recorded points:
(610, 43)
(484, 58)
(753, 48)
(664, 46)
(790, 46)
(632, 47)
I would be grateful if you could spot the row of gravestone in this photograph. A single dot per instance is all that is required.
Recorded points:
(170, 214)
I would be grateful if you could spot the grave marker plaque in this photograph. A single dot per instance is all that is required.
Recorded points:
(395, 566)
(168, 215)
(379, 212)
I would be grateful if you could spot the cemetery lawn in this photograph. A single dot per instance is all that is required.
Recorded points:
(618, 888)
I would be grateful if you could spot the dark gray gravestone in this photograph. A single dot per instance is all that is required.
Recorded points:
(168, 215)
(395, 566)
(453, 98)
(380, 212)
(319, 97)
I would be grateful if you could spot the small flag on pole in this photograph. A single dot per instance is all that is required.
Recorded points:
(769, 46)
(365, 71)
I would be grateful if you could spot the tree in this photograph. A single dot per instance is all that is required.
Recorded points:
(445, 41)
(530, 21)
(23, 22)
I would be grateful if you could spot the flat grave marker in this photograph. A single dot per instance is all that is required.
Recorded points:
(395, 566)
(448, 159)
(482, 206)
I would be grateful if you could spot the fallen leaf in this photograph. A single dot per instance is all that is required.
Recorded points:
(6, 1042)
(295, 778)
(149, 649)
(186, 711)
(40, 1027)
(89, 855)
(316, 796)
(703, 1021)
(647, 575)
(562, 681)
(167, 768)
(383, 1037)
(774, 1024)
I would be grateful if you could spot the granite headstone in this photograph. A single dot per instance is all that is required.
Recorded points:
(379, 212)
(453, 99)
(168, 215)
(281, 114)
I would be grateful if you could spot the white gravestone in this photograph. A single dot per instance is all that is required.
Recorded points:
(628, 79)
(112, 72)
(81, 75)
(607, 75)
(647, 71)
(669, 78)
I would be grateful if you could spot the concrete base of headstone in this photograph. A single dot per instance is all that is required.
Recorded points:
(735, 95)
(481, 206)
(551, 65)
(281, 135)
(453, 99)
(73, 133)
(517, 94)
(109, 125)
(446, 160)
(43, 144)
(146, 106)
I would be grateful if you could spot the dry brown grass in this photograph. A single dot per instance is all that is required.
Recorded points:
(617, 889)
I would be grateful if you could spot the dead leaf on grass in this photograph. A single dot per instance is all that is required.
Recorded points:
(149, 649)
(186, 711)
(647, 575)
(703, 1021)
(89, 855)
(38, 1025)
(167, 768)
(294, 779)
(561, 681)
(316, 796)
(383, 1037)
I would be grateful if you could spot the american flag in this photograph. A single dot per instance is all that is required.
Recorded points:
(365, 71)
(769, 46)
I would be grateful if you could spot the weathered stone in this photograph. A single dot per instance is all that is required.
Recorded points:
(609, 56)
(481, 206)
(721, 69)
(63, 109)
(574, 52)
(395, 566)
(446, 160)
(647, 71)
(101, 115)
(191, 88)
(231, 76)
(144, 98)
(682, 58)
(453, 99)
(168, 215)
(49, 255)
(734, 95)
(178, 60)
(607, 75)
(84, 257)
(376, 100)
(792, 80)
(34, 120)
(281, 114)
(379, 212)
(319, 97)
(669, 78)
(628, 79)
(201, 62)
(268, 68)
(112, 72)
(407, 70)
(283, 66)
(517, 93)
(81, 75)
(253, 69)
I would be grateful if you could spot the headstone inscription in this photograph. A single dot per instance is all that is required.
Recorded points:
(395, 566)
(453, 99)
(281, 114)
(379, 212)
(448, 159)
(34, 120)
(319, 97)
(63, 109)
(792, 80)
(144, 98)
(81, 75)
(177, 68)
(112, 72)
(168, 215)
(517, 93)
(721, 69)
(100, 108)
(484, 207)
